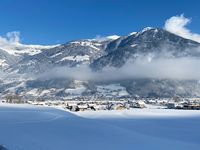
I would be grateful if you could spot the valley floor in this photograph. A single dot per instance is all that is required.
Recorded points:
(26, 127)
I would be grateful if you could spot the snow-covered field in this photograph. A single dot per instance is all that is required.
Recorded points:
(26, 127)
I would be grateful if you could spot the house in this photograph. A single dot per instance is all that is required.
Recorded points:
(117, 106)
(2, 101)
(139, 104)
(192, 106)
(171, 105)
(83, 107)
(101, 107)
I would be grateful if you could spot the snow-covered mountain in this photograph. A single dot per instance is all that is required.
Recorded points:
(19, 49)
(6, 59)
(70, 54)
(12, 53)
(151, 42)
(23, 66)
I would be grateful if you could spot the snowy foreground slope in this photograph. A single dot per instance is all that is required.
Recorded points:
(25, 127)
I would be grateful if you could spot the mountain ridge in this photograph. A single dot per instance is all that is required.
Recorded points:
(97, 54)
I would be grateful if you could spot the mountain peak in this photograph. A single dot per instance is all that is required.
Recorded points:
(106, 38)
(147, 28)
(113, 37)
(132, 33)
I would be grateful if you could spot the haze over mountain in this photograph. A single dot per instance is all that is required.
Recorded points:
(153, 62)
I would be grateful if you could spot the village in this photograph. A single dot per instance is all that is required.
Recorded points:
(95, 104)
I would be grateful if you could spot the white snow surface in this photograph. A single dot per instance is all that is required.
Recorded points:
(140, 113)
(26, 127)
(113, 37)
(76, 58)
(18, 49)
(132, 33)
(3, 63)
(87, 43)
(105, 38)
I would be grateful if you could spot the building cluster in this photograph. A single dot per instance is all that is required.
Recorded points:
(91, 105)
(177, 103)
(188, 105)
(82, 104)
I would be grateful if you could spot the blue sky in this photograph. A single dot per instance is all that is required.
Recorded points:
(59, 21)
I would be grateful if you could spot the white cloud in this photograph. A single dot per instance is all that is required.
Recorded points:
(184, 68)
(13, 37)
(178, 25)
(10, 38)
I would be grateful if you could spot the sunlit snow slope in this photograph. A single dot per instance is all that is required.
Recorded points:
(24, 127)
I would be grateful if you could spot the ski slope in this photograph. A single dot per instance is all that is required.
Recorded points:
(26, 127)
